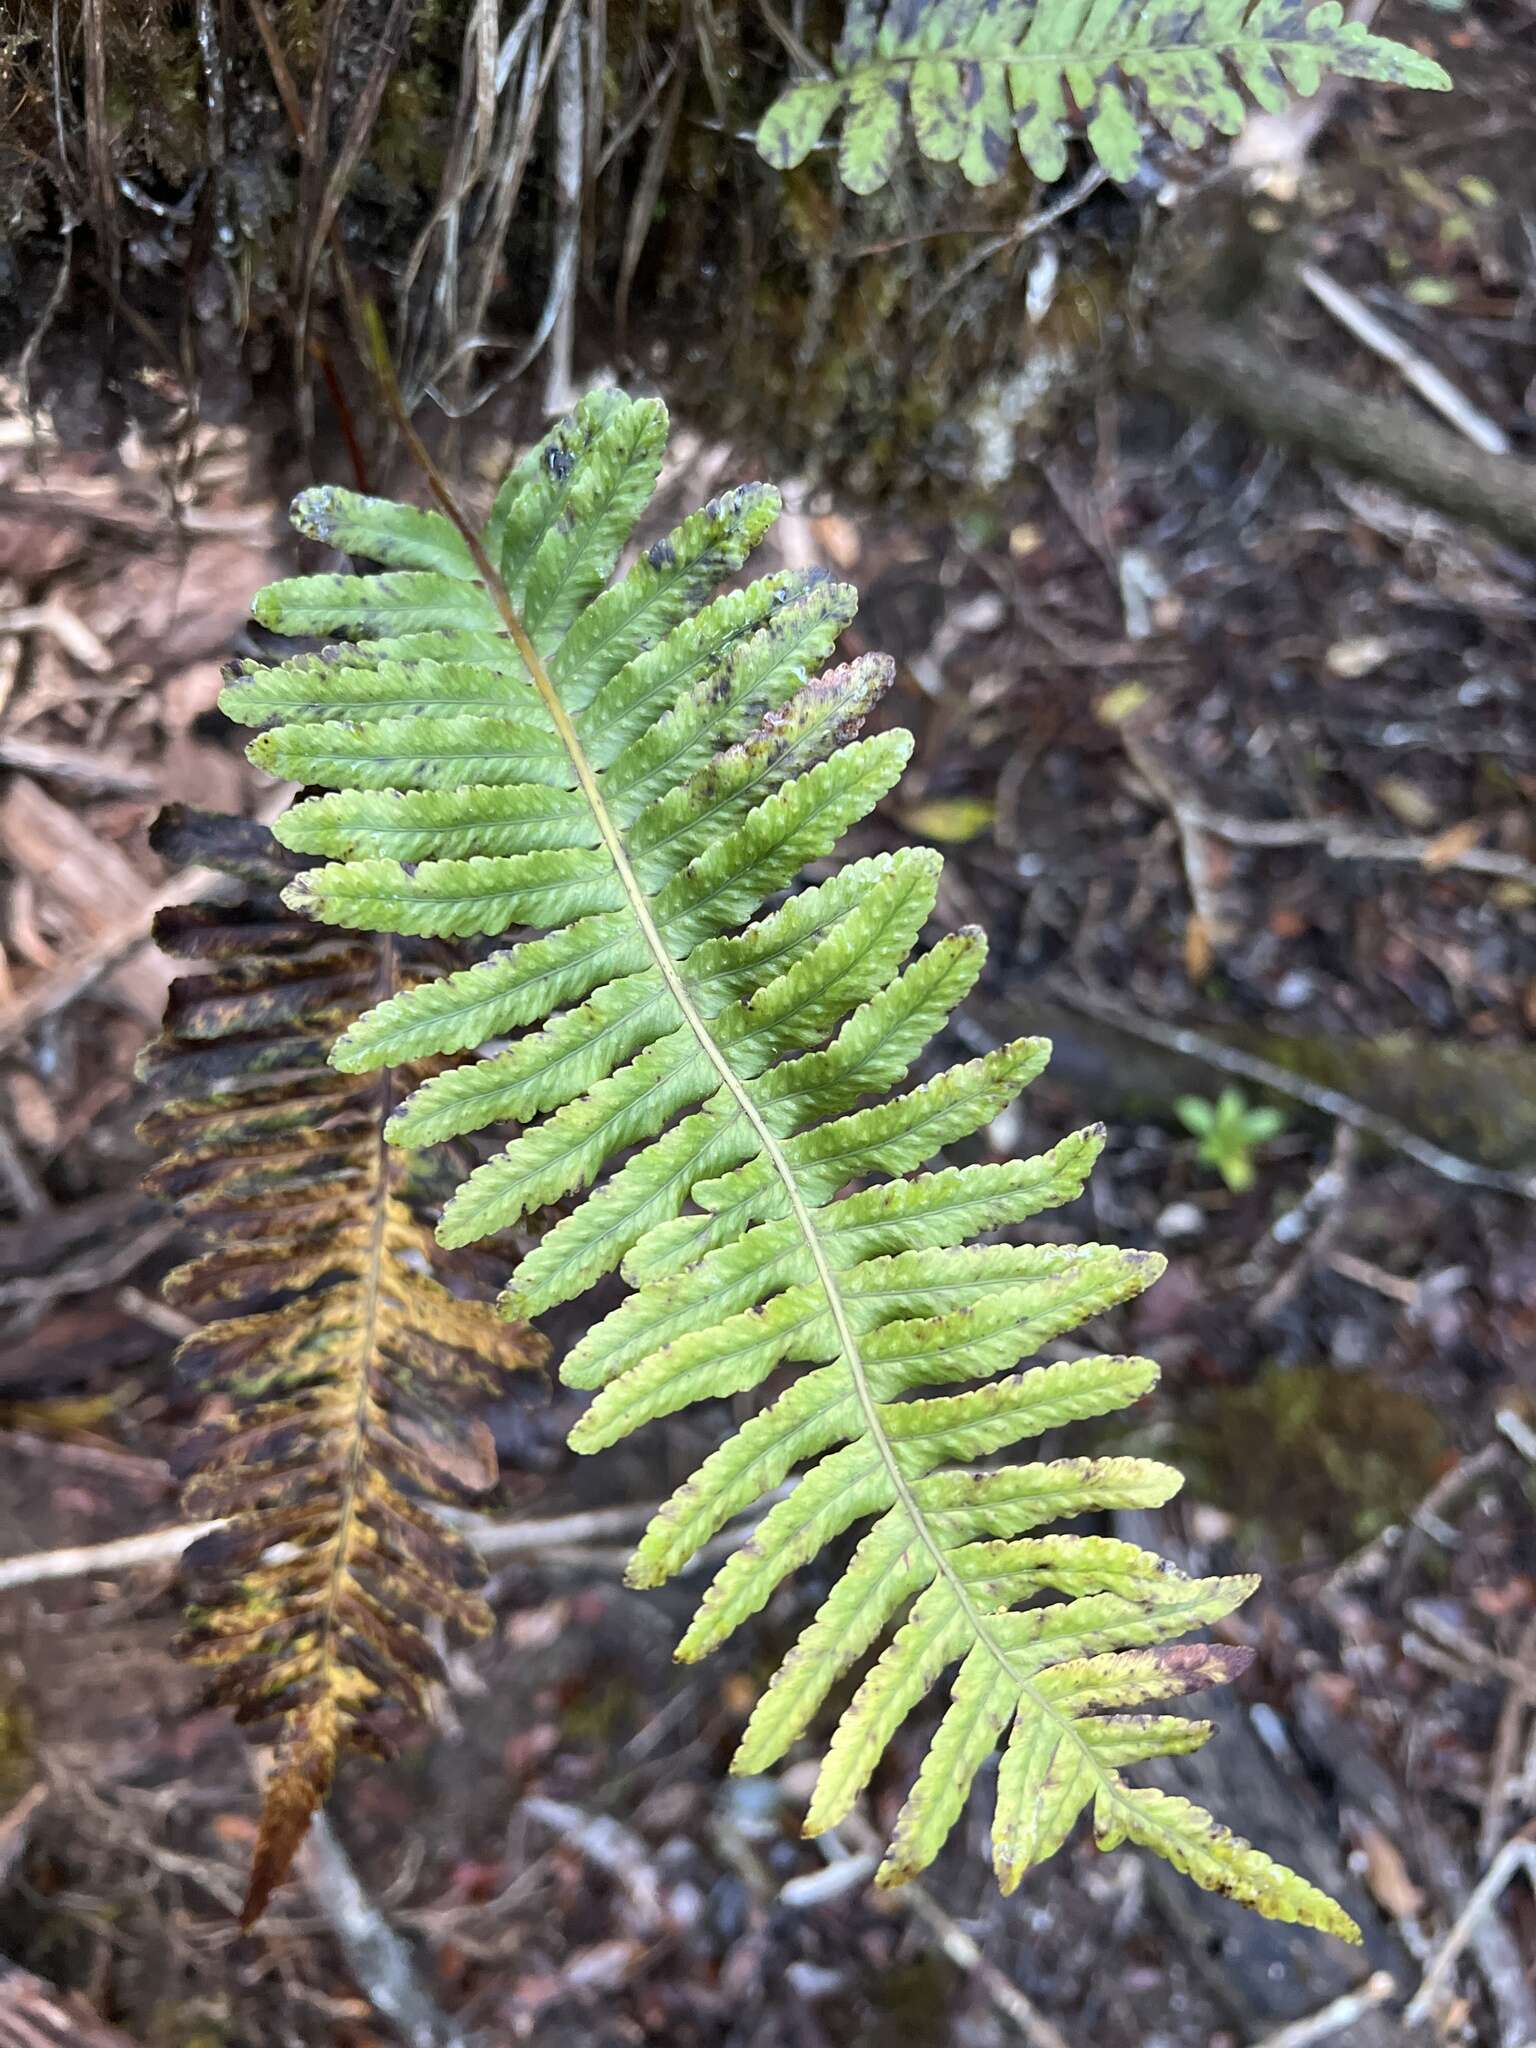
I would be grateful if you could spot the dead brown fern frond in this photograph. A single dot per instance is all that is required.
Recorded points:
(337, 1372)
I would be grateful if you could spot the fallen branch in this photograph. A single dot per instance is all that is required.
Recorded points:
(1212, 367)
(493, 1539)
(1344, 842)
(1247, 1066)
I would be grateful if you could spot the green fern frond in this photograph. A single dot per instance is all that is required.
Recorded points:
(699, 1080)
(979, 76)
(340, 1358)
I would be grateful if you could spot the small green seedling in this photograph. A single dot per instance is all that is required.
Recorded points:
(1229, 1133)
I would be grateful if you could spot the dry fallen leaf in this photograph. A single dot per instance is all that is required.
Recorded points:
(1410, 805)
(1199, 954)
(1452, 843)
(951, 820)
(1351, 658)
(839, 540)
(84, 886)
(1387, 1874)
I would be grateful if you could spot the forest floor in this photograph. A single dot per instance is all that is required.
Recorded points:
(1235, 762)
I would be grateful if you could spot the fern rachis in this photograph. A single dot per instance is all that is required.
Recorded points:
(742, 1066)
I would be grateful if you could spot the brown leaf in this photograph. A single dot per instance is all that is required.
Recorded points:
(333, 1418)
(1452, 843)
(1387, 1874)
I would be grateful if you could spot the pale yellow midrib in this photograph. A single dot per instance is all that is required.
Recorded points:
(367, 1344)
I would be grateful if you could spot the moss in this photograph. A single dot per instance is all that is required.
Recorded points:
(407, 153)
(18, 1766)
(915, 1998)
(1311, 1461)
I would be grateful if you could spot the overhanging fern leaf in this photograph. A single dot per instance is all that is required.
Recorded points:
(979, 76)
(340, 1357)
(702, 1081)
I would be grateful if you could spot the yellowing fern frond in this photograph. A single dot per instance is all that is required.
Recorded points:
(336, 1371)
(731, 1091)
(980, 77)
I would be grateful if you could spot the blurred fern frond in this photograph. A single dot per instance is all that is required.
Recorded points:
(980, 77)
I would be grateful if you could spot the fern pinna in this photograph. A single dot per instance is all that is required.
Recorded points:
(981, 76)
(634, 769)
(340, 1360)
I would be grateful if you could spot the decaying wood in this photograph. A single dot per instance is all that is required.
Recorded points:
(1215, 367)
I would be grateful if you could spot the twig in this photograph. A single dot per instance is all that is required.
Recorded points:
(37, 2015)
(378, 1959)
(1432, 385)
(1504, 1773)
(1036, 224)
(491, 1538)
(16, 1825)
(1518, 1431)
(1343, 842)
(1390, 1285)
(1334, 2017)
(961, 1948)
(28, 1196)
(810, 66)
(34, 1293)
(61, 624)
(1247, 1066)
(642, 212)
(1518, 1854)
(1323, 1201)
(570, 148)
(80, 767)
(1377, 1554)
(133, 519)
(123, 1554)
(1215, 913)
(615, 1850)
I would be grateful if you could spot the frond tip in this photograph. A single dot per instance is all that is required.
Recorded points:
(740, 1107)
(979, 79)
(340, 1359)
